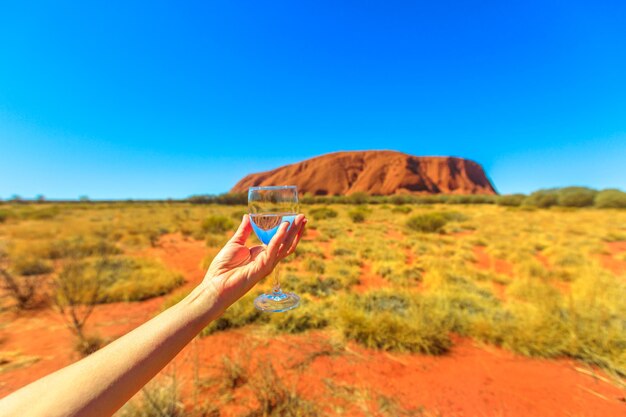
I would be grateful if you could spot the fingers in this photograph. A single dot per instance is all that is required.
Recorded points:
(295, 242)
(244, 230)
(274, 247)
(292, 236)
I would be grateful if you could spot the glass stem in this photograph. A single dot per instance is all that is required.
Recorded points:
(275, 281)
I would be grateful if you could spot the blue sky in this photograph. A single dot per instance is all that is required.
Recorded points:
(169, 99)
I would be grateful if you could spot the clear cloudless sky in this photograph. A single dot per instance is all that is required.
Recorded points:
(159, 99)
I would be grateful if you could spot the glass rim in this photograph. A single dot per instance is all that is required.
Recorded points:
(272, 187)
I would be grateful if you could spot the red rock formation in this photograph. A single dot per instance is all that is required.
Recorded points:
(376, 173)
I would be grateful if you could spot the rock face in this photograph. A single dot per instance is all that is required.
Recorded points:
(376, 173)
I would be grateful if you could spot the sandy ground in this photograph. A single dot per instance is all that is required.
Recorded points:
(472, 380)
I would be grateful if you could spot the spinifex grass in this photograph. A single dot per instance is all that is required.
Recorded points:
(553, 298)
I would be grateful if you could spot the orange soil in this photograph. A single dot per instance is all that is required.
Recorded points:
(543, 259)
(500, 266)
(369, 279)
(471, 380)
(485, 261)
(609, 261)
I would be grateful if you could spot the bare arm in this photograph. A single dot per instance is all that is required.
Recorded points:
(101, 383)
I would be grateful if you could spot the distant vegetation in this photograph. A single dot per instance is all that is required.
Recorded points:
(415, 263)
(562, 197)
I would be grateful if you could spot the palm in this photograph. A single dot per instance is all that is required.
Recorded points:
(233, 258)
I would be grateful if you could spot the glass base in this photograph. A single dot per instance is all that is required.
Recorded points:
(277, 302)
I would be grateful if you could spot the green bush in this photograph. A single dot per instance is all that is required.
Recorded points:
(217, 224)
(123, 279)
(401, 209)
(316, 286)
(36, 212)
(511, 200)
(359, 214)
(610, 198)
(4, 215)
(80, 247)
(309, 315)
(427, 223)
(358, 198)
(315, 265)
(397, 321)
(576, 197)
(542, 199)
(400, 199)
(321, 213)
(30, 265)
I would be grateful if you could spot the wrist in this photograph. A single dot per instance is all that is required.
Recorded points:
(202, 303)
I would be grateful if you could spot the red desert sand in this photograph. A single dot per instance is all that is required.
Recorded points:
(472, 380)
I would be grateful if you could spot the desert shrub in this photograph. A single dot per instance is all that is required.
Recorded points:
(230, 199)
(160, 398)
(309, 315)
(346, 270)
(89, 344)
(26, 265)
(274, 398)
(76, 295)
(216, 224)
(127, 279)
(4, 215)
(315, 265)
(398, 273)
(511, 200)
(401, 209)
(610, 198)
(122, 279)
(80, 247)
(576, 197)
(459, 299)
(394, 321)
(358, 198)
(596, 313)
(533, 330)
(400, 199)
(321, 213)
(307, 250)
(427, 223)
(459, 199)
(453, 216)
(237, 315)
(342, 252)
(358, 214)
(43, 213)
(542, 199)
(316, 286)
(22, 289)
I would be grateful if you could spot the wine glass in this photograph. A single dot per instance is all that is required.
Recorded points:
(269, 207)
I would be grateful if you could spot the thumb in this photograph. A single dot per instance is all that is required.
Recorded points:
(242, 233)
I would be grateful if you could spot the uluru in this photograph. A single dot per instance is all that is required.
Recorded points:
(376, 173)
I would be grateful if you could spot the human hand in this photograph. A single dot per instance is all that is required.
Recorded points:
(237, 268)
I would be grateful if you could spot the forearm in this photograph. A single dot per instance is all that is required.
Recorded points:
(101, 383)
